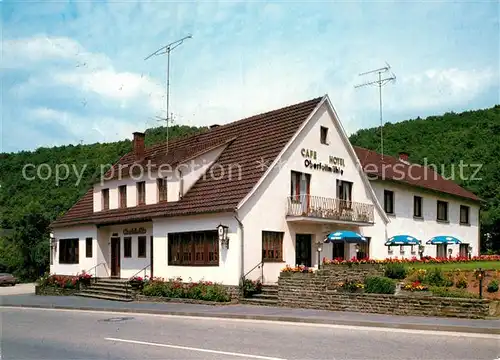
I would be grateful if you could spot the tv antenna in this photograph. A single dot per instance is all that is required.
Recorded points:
(166, 50)
(380, 82)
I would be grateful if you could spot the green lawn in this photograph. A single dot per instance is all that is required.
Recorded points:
(486, 265)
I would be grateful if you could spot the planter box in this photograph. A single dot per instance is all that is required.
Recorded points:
(144, 298)
(54, 291)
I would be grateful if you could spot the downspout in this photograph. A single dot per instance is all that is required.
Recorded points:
(242, 265)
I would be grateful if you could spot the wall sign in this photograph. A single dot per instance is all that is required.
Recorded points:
(334, 165)
(133, 231)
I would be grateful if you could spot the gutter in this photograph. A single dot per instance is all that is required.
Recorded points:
(242, 252)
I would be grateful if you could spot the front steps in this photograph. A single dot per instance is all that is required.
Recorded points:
(268, 297)
(108, 289)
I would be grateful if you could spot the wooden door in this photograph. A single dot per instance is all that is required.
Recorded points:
(303, 245)
(115, 257)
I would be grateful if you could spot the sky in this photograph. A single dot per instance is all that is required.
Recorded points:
(74, 71)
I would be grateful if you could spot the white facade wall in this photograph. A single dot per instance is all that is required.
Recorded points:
(403, 222)
(229, 270)
(84, 263)
(266, 209)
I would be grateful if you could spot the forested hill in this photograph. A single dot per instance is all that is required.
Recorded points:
(28, 206)
(471, 137)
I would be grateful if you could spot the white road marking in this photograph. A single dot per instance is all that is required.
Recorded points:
(272, 322)
(195, 349)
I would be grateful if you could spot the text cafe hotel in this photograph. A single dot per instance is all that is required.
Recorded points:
(267, 190)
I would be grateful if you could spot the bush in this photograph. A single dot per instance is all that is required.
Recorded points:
(454, 293)
(395, 271)
(59, 281)
(492, 286)
(416, 275)
(435, 277)
(175, 288)
(379, 285)
(461, 283)
(250, 287)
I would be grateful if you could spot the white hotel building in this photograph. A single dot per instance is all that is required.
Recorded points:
(280, 181)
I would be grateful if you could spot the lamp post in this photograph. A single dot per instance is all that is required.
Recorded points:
(450, 251)
(421, 251)
(480, 275)
(319, 249)
(469, 248)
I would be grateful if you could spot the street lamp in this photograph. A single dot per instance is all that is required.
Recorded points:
(469, 248)
(319, 249)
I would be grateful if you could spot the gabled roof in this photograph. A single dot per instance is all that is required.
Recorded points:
(250, 143)
(392, 168)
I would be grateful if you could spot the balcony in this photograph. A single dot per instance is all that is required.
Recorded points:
(309, 208)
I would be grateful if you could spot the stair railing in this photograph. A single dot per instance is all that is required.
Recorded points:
(259, 265)
(95, 270)
(127, 284)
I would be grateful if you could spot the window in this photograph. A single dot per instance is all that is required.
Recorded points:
(68, 251)
(105, 199)
(442, 210)
(324, 135)
(300, 185)
(123, 196)
(127, 247)
(141, 193)
(464, 215)
(417, 206)
(88, 247)
(141, 246)
(344, 193)
(272, 246)
(162, 189)
(199, 248)
(389, 201)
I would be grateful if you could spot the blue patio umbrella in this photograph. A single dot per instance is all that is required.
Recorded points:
(346, 236)
(443, 239)
(402, 240)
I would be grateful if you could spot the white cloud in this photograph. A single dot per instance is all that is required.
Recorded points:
(440, 88)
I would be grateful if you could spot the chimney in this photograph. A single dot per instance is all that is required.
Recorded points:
(403, 156)
(138, 145)
(213, 126)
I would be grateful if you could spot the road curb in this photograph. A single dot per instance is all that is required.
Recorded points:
(291, 319)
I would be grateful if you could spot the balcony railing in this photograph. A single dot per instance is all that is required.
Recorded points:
(330, 208)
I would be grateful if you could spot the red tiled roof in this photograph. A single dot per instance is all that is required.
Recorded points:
(248, 142)
(391, 168)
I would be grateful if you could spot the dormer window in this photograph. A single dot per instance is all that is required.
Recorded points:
(105, 199)
(141, 193)
(162, 189)
(122, 190)
(324, 135)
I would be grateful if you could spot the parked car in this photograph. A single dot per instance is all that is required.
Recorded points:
(7, 279)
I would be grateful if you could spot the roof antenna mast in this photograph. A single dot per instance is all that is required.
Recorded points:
(166, 50)
(380, 82)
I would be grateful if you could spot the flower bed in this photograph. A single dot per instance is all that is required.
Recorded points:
(413, 260)
(297, 269)
(176, 288)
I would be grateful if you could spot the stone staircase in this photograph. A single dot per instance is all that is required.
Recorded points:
(268, 297)
(108, 289)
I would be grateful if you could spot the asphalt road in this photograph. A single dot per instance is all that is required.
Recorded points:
(59, 334)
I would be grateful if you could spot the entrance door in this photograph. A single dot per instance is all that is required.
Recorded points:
(338, 250)
(303, 245)
(115, 257)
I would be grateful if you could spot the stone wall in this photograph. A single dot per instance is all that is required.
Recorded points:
(315, 291)
(54, 291)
